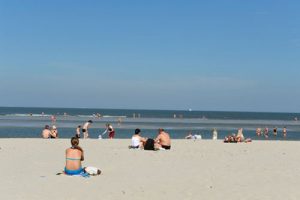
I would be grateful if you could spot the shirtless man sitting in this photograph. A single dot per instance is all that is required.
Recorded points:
(46, 132)
(163, 140)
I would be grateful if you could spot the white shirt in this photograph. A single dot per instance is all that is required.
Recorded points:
(135, 141)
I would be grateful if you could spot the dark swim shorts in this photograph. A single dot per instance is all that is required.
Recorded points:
(166, 147)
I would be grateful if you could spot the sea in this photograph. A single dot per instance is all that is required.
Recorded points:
(19, 122)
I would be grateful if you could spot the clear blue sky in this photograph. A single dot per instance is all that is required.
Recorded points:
(205, 55)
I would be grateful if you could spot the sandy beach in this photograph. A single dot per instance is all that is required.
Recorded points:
(201, 169)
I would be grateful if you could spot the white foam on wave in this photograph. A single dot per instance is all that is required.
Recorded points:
(112, 116)
(85, 116)
(27, 115)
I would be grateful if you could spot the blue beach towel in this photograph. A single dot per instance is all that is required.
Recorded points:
(80, 172)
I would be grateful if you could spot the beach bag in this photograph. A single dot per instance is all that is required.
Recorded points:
(149, 145)
(93, 171)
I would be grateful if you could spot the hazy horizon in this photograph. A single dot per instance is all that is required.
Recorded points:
(150, 109)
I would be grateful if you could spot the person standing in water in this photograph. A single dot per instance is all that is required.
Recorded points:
(266, 132)
(110, 130)
(85, 128)
(275, 131)
(214, 134)
(78, 129)
(284, 132)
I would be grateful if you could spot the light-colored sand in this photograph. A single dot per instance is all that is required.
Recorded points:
(191, 170)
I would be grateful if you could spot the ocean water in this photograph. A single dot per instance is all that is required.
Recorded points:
(29, 122)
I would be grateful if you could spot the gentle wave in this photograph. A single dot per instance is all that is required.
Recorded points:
(27, 115)
(62, 115)
(110, 116)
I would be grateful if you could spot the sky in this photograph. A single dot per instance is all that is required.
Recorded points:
(212, 55)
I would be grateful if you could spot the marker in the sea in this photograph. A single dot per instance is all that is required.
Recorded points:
(190, 109)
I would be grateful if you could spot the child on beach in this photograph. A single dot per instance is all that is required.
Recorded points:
(78, 131)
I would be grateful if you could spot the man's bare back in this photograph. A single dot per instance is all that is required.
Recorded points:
(163, 139)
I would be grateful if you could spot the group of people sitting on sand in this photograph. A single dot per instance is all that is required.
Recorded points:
(161, 142)
(75, 154)
(236, 138)
(50, 133)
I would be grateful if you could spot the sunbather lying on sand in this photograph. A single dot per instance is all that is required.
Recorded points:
(233, 138)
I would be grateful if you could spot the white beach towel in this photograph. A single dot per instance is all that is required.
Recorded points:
(92, 171)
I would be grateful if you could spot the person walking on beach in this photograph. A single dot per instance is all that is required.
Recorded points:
(163, 140)
(85, 128)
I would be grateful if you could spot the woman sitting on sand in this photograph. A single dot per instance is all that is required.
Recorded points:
(137, 141)
(54, 132)
(74, 156)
